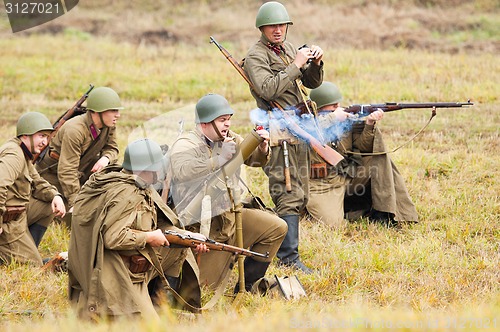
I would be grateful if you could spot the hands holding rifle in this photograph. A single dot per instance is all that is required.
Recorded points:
(157, 238)
(374, 117)
(371, 119)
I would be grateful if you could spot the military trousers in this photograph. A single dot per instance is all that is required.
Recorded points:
(263, 232)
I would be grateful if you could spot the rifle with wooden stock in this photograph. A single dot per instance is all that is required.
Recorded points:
(363, 110)
(325, 151)
(187, 240)
(76, 109)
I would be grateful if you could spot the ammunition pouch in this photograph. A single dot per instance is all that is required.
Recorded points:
(12, 213)
(319, 171)
(136, 263)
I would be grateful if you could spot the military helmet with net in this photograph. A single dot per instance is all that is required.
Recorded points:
(210, 107)
(143, 155)
(103, 99)
(272, 13)
(31, 123)
(326, 94)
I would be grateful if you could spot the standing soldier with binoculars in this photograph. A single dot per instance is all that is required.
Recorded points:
(279, 74)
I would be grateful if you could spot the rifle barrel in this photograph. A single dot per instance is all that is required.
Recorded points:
(189, 241)
(389, 107)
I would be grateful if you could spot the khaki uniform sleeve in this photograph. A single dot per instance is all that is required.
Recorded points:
(270, 78)
(111, 150)
(11, 165)
(364, 141)
(42, 189)
(69, 161)
(120, 231)
(189, 161)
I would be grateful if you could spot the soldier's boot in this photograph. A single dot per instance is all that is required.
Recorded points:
(254, 270)
(288, 253)
(37, 231)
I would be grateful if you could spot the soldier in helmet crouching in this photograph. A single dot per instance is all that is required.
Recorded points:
(22, 188)
(117, 245)
(83, 145)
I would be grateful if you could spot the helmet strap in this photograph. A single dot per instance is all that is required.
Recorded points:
(221, 138)
(102, 120)
(32, 145)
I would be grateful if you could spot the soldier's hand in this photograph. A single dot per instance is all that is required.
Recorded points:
(340, 115)
(58, 206)
(374, 117)
(264, 146)
(100, 164)
(1, 230)
(156, 238)
(227, 151)
(317, 54)
(201, 248)
(303, 55)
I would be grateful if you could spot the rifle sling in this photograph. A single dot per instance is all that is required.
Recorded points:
(433, 114)
(151, 256)
(96, 145)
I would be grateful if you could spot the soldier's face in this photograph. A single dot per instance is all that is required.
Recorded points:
(330, 107)
(222, 123)
(275, 33)
(150, 177)
(110, 117)
(40, 141)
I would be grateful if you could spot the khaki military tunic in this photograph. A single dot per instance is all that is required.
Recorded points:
(192, 161)
(73, 151)
(111, 214)
(274, 78)
(20, 185)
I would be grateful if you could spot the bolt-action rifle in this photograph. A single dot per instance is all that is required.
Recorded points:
(76, 109)
(187, 240)
(325, 151)
(362, 110)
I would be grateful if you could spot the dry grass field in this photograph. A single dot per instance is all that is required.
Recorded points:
(440, 274)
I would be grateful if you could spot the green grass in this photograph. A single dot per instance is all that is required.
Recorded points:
(441, 273)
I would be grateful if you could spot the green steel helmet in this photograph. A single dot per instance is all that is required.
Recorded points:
(326, 94)
(271, 13)
(210, 107)
(31, 123)
(143, 155)
(103, 99)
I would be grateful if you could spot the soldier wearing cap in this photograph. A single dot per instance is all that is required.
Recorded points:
(22, 188)
(83, 145)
